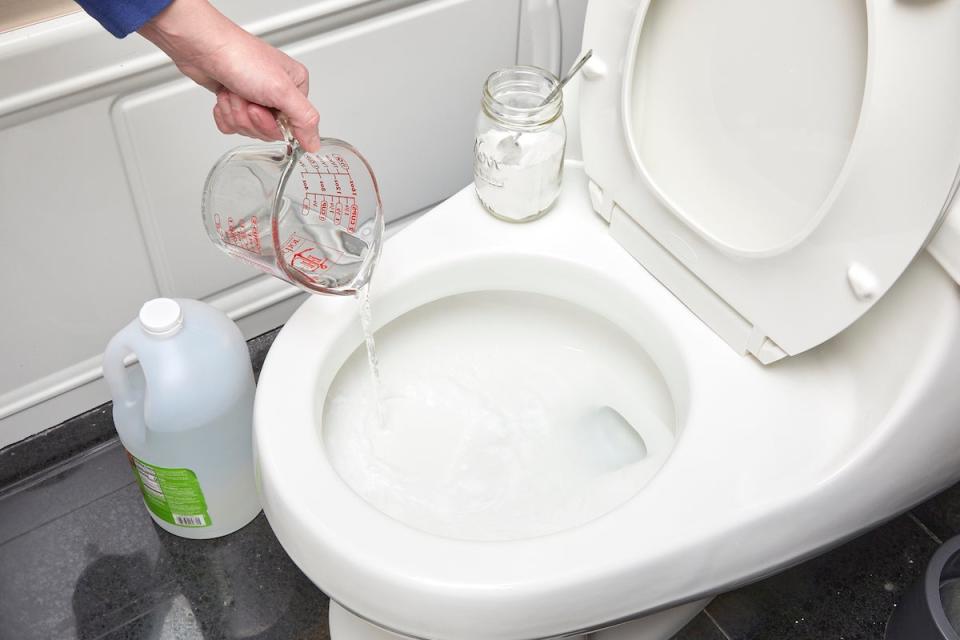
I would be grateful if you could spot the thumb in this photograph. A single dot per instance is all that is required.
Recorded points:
(302, 115)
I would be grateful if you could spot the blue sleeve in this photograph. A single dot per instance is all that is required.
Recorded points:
(122, 17)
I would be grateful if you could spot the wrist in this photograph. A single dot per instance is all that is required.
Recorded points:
(187, 28)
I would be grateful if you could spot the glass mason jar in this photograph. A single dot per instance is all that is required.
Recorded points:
(518, 150)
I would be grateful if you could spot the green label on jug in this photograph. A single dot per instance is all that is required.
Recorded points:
(173, 495)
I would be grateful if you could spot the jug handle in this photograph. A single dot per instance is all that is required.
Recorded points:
(127, 398)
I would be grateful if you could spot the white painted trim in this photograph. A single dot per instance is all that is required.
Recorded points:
(50, 49)
(39, 417)
(253, 296)
(240, 302)
(50, 386)
(94, 393)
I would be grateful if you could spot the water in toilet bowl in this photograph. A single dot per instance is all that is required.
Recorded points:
(507, 415)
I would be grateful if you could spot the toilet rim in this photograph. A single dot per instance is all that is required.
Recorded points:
(359, 545)
(350, 542)
(458, 270)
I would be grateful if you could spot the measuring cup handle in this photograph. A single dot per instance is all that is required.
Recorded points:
(284, 125)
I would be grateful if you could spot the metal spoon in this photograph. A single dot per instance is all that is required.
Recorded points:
(572, 72)
(509, 147)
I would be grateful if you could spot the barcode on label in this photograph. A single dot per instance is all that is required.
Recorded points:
(189, 521)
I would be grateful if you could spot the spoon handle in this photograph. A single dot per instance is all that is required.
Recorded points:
(573, 71)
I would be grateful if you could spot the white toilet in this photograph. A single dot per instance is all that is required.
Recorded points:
(744, 359)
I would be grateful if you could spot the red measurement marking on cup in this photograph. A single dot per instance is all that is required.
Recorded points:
(307, 257)
(343, 210)
(354, 215)
(305, 262)
(243, 234)
(329, 188)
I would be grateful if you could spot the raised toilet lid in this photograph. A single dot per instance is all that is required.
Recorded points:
(776, 163)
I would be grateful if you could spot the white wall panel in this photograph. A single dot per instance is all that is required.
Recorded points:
(73, 265)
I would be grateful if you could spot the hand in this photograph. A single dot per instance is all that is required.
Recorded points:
(248, 76)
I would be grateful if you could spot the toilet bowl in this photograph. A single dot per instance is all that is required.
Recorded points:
(595, 423)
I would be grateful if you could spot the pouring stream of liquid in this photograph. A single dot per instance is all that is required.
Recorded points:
(366, 321)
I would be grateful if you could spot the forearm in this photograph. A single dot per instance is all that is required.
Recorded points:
(187, 30)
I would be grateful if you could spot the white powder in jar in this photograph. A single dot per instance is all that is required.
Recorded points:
(517, 176)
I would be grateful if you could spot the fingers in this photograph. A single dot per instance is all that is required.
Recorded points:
(285, 91)
(221, 113)
(241, 119)
(302, 115)
(300, 76)
(233, 114)
(264, 121)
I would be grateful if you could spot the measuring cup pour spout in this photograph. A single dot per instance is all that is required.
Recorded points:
(314, 220)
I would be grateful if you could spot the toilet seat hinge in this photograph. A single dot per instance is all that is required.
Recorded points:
(602, 203)
(763, 348)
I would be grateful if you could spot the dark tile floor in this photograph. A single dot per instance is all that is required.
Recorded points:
(91, 564)
(80, 559)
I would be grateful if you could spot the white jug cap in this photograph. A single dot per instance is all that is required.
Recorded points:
(161, 317)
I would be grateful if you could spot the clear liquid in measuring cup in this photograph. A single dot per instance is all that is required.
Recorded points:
(366, 322)
(312, 219)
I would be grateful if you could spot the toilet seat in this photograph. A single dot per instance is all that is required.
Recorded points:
(680, 147)
(759, 450)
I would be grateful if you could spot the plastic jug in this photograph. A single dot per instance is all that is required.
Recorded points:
(184, 414)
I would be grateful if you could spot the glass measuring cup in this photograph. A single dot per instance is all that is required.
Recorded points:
(312, 219)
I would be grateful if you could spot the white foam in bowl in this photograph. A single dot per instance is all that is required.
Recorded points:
(509, 415)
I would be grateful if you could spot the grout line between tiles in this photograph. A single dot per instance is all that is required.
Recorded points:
(52, 470)
(925, 528)
(65, 514)
(717, 625)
